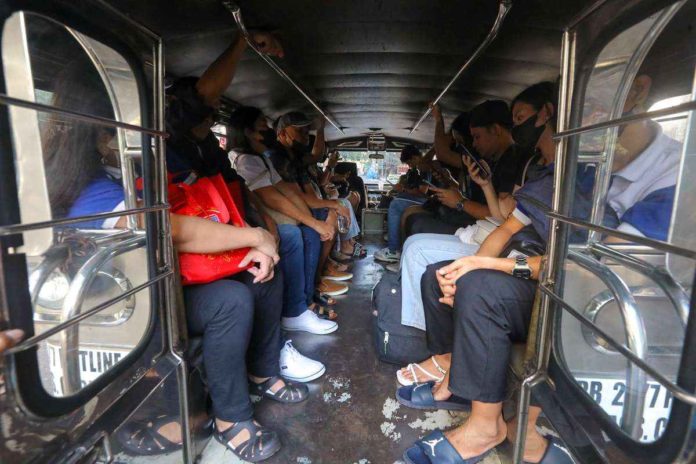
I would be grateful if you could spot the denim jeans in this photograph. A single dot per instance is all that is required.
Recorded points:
(299, 255)
(354, 229)
(419, 251)
(240, 325)
(396, 209)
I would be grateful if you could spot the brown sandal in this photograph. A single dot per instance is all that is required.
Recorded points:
(324, 312)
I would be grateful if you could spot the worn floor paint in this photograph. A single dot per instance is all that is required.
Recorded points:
(351, 416)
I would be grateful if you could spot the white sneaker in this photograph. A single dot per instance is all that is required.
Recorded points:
(298, 368)
(388, 256)
(309, 322)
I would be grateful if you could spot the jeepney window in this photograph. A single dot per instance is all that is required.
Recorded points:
(636, 178)
(72, 163)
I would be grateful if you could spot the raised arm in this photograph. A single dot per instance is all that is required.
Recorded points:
(442, 142)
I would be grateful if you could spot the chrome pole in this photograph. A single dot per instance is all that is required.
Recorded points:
(538, 372)
(503, 9)
(237, 14)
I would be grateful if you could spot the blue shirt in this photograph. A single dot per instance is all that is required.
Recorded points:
(103, 194)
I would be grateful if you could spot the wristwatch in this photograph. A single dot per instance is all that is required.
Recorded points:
(522, 269)
(460, 206)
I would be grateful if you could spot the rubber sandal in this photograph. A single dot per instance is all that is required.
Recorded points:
(555, 453)
(144, 439)
(289, 394)
(263, 443)
(420, 396)
(436, 449)
(323, 299)
(359, 251)
(414, 378)
(324, 312)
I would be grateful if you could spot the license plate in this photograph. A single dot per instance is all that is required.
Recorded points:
(610, 395)
(93, 362)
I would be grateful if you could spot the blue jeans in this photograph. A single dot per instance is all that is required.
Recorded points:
(396, 209)
(299, 256)
(419, 252)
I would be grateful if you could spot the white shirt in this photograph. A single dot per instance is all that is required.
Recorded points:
(255, 172)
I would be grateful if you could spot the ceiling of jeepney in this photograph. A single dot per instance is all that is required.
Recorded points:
(370, 63)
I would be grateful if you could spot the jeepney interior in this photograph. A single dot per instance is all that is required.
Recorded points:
(373, 67)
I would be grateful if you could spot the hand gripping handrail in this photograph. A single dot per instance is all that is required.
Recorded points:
(72, 306)
(637, 384)
(675, 292)
(503, 9)
(237, 14)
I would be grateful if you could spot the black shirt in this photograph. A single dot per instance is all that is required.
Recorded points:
(508, 168)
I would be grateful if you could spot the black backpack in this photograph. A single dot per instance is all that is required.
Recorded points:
(395, 343)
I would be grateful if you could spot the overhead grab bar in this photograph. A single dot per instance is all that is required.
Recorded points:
(636, 338)
(237, 14)
(503, 9)
(675, 292)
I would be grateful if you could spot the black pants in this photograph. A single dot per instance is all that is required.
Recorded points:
(491, 311)
(240, 325)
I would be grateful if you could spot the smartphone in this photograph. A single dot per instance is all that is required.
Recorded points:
(429, 184)
(483, 172)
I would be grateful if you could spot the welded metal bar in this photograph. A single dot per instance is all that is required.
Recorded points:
(675, 292)
(503, 9)
(19, 228)
(681, 108)
(237, 14)
(678, 392)
(36, 339)
(544, 335)
(656, 244)
(636, 337)
(98, 120)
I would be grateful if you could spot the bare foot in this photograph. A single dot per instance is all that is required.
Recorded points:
(171, 431)
(473, 439)
(274, 388)
(535, 444)
(443, 360)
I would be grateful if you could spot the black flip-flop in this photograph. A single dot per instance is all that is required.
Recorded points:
(323, 299)
(436, 449)
(420, 396)
(555, 453)
(143, 438)
(288, 394)
(261, 445)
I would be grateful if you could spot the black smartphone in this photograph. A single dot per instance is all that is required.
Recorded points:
(483, 172)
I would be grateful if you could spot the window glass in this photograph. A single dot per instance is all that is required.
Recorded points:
(377, 171)
(72, 168)
(640, 176)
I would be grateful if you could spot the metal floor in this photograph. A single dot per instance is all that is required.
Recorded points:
(351, 416)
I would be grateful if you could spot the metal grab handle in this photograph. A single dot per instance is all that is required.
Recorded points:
(637, 384)
(237, 14)
(503, 9)
(675, 292)
(72, 306)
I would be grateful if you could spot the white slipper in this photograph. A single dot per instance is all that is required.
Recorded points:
(412, 369)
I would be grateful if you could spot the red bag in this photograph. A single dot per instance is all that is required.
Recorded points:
(208, 198)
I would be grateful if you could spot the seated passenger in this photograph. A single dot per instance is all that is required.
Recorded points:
(421, 250)
(490, 124)
(291, 161)
(238, 317)
(412, 192)
(296, 225)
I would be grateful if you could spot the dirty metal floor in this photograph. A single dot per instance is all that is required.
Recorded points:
(351, 416)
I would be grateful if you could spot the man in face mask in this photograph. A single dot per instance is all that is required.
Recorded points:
(292, 162)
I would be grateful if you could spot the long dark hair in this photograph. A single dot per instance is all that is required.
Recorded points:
(70, 151)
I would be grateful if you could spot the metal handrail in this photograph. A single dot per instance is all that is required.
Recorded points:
(503, 9)
(678, 392)
(72, 306)
(19, 228)
(636, 338)
(237, 14)
(656, 244)
(7, 100)
(681, 108)
(675, 292)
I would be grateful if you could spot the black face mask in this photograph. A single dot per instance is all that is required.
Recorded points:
(299, 148)
(526, 135)
(269, 138)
